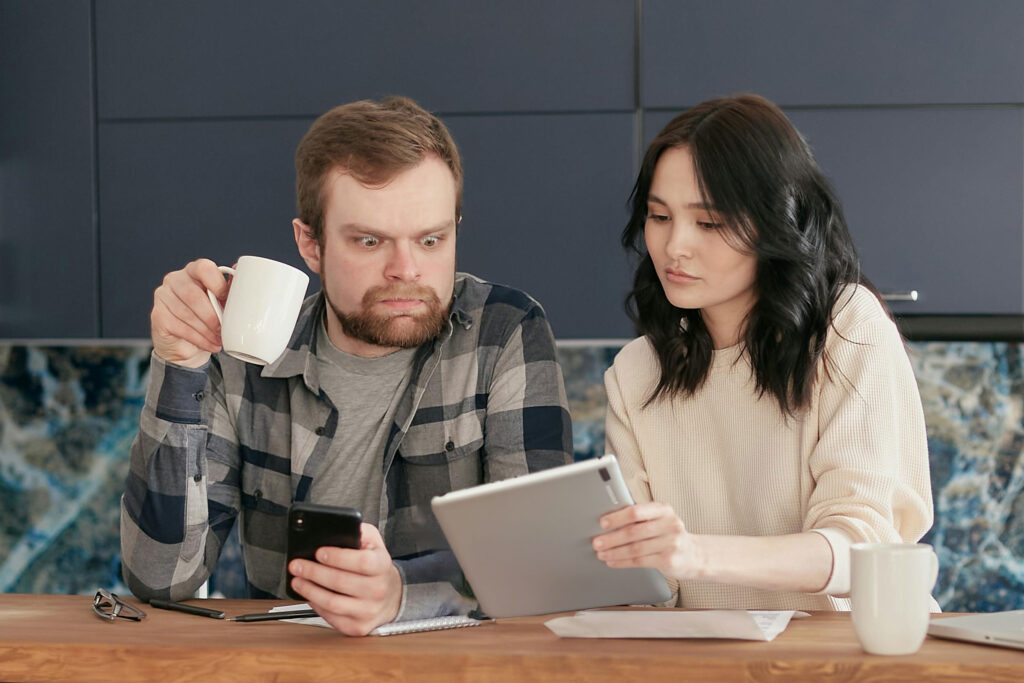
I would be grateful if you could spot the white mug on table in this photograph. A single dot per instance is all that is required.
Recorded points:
(890, 594)
(263, 304)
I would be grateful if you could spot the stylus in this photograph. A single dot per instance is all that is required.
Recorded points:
(187, 609)
(275, 616)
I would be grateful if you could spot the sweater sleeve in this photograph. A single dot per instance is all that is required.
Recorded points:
(620, 440)
(870, 465)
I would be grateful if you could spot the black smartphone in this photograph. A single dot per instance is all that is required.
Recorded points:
(315, 526)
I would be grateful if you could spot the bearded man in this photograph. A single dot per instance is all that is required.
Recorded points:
(403, 380)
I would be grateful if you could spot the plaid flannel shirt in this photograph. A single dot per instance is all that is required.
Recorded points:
(236, 440)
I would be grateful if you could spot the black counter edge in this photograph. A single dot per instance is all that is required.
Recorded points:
(963, 327)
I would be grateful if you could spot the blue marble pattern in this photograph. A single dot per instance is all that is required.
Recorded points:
(67, 419)
(973, 397)
(68, 416)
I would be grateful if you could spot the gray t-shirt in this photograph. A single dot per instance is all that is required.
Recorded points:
(366, 392)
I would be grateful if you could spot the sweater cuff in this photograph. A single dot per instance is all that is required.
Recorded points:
(839, 581)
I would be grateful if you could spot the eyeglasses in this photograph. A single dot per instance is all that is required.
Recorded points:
(108, 606)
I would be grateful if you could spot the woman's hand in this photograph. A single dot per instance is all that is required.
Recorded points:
(650, 535)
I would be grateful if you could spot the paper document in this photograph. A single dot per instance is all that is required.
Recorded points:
(740, 624)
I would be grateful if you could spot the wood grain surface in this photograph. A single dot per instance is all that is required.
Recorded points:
(58, 638)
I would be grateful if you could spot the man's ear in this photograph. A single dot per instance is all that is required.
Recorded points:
(309, 248)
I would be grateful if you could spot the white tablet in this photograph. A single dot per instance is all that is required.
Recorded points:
(525, 543)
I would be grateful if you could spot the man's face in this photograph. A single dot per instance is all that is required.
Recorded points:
(387, 262)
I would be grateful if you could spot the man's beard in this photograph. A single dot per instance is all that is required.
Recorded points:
(401, 329)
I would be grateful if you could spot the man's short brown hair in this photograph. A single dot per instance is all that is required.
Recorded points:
(372, 141)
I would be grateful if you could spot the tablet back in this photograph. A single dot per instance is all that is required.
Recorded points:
(525, 543)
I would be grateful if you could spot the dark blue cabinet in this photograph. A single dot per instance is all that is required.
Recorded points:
(171, 192)
(202, 104)
(545, 201)
(932, 197)
(228, 58)
(48, 286)
(140, 134)
(915, 110)
(808, 52)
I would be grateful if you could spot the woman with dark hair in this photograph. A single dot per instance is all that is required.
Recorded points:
(768, 416)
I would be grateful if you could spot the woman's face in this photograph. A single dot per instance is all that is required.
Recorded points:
(697, 266)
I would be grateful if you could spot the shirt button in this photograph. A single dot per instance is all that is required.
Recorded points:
(257, 494)
(198, 396)
(450, 446)
(197, 478)
(320, 431)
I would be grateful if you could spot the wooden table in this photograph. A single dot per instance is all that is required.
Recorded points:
(58, 638)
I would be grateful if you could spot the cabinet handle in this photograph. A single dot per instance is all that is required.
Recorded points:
(909, 295)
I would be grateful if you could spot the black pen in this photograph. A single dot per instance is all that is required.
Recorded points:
(275, 616)
(187, 609)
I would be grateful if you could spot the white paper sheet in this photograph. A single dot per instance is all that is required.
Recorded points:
(739, 624)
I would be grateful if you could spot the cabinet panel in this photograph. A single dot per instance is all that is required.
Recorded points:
(269, 58)
(173, 192)
(932, 197)
(798, 52)
(544, 203)
(47, 248)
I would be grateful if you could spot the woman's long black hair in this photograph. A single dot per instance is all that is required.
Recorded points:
(758, 174)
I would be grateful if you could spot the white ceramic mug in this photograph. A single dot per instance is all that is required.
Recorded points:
(263, 304)
(890, 590)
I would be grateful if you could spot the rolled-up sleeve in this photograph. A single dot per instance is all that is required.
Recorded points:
(870, 465)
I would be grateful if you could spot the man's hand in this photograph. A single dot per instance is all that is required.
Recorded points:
(355, 591)
(185, 328)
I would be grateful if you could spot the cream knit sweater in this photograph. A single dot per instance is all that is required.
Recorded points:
(853, 468)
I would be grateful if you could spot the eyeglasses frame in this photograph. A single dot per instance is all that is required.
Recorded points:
(118, 607)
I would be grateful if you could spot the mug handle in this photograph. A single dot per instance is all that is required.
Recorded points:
(217, 308)
(935, 570)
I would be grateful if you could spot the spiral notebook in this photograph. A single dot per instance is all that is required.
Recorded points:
(396, 627)
(435, 624)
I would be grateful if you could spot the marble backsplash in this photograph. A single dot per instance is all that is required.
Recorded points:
(68, 415)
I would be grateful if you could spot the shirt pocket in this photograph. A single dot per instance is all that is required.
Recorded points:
(442, 442)
(434, 458)
(443, 456)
